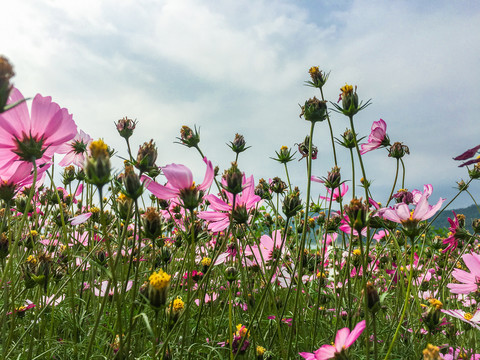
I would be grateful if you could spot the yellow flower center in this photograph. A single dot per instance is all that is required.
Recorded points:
(98, 148)
(206, 261)
(178, 304)
(347, 89)
(357, 252)
(159, 280)
(468, 316)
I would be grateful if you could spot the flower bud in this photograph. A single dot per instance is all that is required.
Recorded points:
(303, 149)
(158, 288)
(348, 139)
(131, 182)
(188, 137)
(462, 186)
(284, 156)
(263, 190)
(403, 196)
(474, 173)
(373, 300)
(175, 309)
(97, 168)
(476, 225)
(68, 174)
(238, 144)
(6, 73)
(234, 180)
(231, 274)
(357, 214)
(333, 179)
(432, 352)
(292, 203)
(125, 127)
(398, 150)
(240, 214)
(278, 186)
(146, 157)
(318, 77)
(3, 246)
(152, 223)
(314, 110)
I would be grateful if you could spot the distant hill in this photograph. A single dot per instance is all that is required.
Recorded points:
(470, 213)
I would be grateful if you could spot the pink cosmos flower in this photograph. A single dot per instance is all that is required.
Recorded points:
(268, 248)
(473, 320)
(469, 281)
(343, 340)
(75, 150)
(219, 219)
(456, 354)
(378, 137)
(80, 219)
(179, 178)
(452, 241)
(36, 137)
(401, 214)
(338, 193)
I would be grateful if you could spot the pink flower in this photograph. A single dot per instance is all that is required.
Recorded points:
(473, 320)
(469, 281)
(378, 137)
(180, 179)
(36, 137)
(269, 248)
(401, 214)
(343, 340)
(75, 150)
(219, 219)
(452, 241)
(337, 194)
(80, 219)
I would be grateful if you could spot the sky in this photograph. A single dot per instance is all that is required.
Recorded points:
(231, 67)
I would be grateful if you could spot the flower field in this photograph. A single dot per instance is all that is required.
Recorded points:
(142, 262)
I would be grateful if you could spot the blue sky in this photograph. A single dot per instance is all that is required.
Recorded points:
(239, 66)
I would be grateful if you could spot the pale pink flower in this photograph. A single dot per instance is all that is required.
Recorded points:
(401, 214)
(469, 281)
(36, 137)
(343, 341)
(80, 219)
(268, 248)
(472, 319)
(76, 150)
(378, 137)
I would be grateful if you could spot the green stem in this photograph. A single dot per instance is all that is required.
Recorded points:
(405, 304)
(302, 242)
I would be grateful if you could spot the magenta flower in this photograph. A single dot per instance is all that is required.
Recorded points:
(378, 137)
(219, 219)
(36, 137)
(452, 240)
(75, 150)
(468, 154)
(468, 281)
(180, 180)
(343, 341)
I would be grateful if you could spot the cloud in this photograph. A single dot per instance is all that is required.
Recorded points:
(237, 66)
